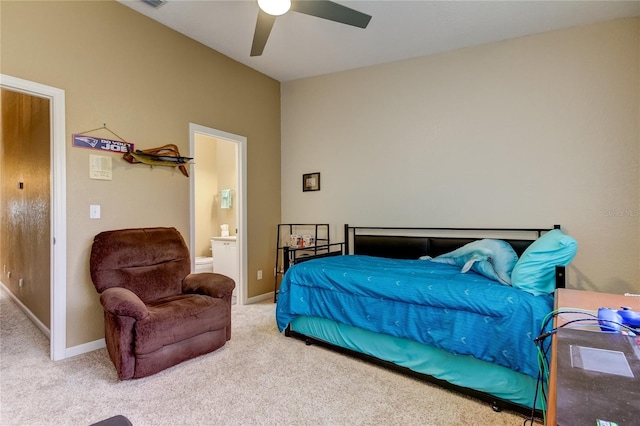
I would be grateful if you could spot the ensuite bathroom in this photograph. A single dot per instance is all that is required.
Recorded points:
(216, 217)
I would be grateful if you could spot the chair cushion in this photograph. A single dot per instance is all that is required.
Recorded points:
(151, 262)
(177, 318)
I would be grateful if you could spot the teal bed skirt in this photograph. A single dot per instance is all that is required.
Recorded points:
(460, 370)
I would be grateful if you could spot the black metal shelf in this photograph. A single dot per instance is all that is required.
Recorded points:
(287, 255)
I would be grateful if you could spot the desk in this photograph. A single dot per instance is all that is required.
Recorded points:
(567, 298)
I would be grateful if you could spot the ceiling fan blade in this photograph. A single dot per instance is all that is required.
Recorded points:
(332, 11)
(261, 35)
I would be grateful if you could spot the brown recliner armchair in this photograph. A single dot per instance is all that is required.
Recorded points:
(157, 314)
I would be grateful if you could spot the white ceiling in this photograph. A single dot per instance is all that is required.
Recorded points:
(303, 46)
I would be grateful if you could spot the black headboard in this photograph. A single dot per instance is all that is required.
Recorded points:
(412, 243)
(408, 247)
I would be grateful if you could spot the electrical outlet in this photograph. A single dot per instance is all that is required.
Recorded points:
(260, 274)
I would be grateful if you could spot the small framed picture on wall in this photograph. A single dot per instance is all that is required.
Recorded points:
(311, 182)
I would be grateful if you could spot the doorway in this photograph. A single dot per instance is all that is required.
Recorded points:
(226, 201)
(56, 221)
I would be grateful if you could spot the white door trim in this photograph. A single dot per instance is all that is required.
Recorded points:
(241, 198)
(58, 332)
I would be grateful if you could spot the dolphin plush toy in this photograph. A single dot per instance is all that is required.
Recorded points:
(494, 259)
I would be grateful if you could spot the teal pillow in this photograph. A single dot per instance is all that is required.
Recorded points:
(535, 271)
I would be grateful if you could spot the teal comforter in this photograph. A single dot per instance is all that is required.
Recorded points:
(427, 302)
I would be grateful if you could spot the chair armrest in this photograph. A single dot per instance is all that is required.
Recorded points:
(123, 302)
(211, 284)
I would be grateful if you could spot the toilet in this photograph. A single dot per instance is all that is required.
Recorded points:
(204, 264)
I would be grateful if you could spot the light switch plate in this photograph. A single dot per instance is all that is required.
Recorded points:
(94, 211)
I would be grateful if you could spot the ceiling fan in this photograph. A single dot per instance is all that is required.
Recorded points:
(271, 9)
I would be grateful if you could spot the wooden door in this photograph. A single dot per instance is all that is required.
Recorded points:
(25, 201)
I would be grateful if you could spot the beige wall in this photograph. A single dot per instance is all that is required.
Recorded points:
(147, 83)
(523, 133)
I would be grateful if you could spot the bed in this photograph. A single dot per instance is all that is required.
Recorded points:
(398, 297)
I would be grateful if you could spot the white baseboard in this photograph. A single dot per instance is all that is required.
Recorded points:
(34, 319)
(260, 298)
(69, 352)
(85, 347)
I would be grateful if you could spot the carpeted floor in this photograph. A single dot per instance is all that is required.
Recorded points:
(259, 377)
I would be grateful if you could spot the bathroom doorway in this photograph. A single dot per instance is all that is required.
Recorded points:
(218, 204)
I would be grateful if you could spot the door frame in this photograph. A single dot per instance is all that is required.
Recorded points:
(58, 225)
(241, 198)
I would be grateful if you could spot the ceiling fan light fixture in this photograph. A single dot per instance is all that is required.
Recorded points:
(275, 7)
